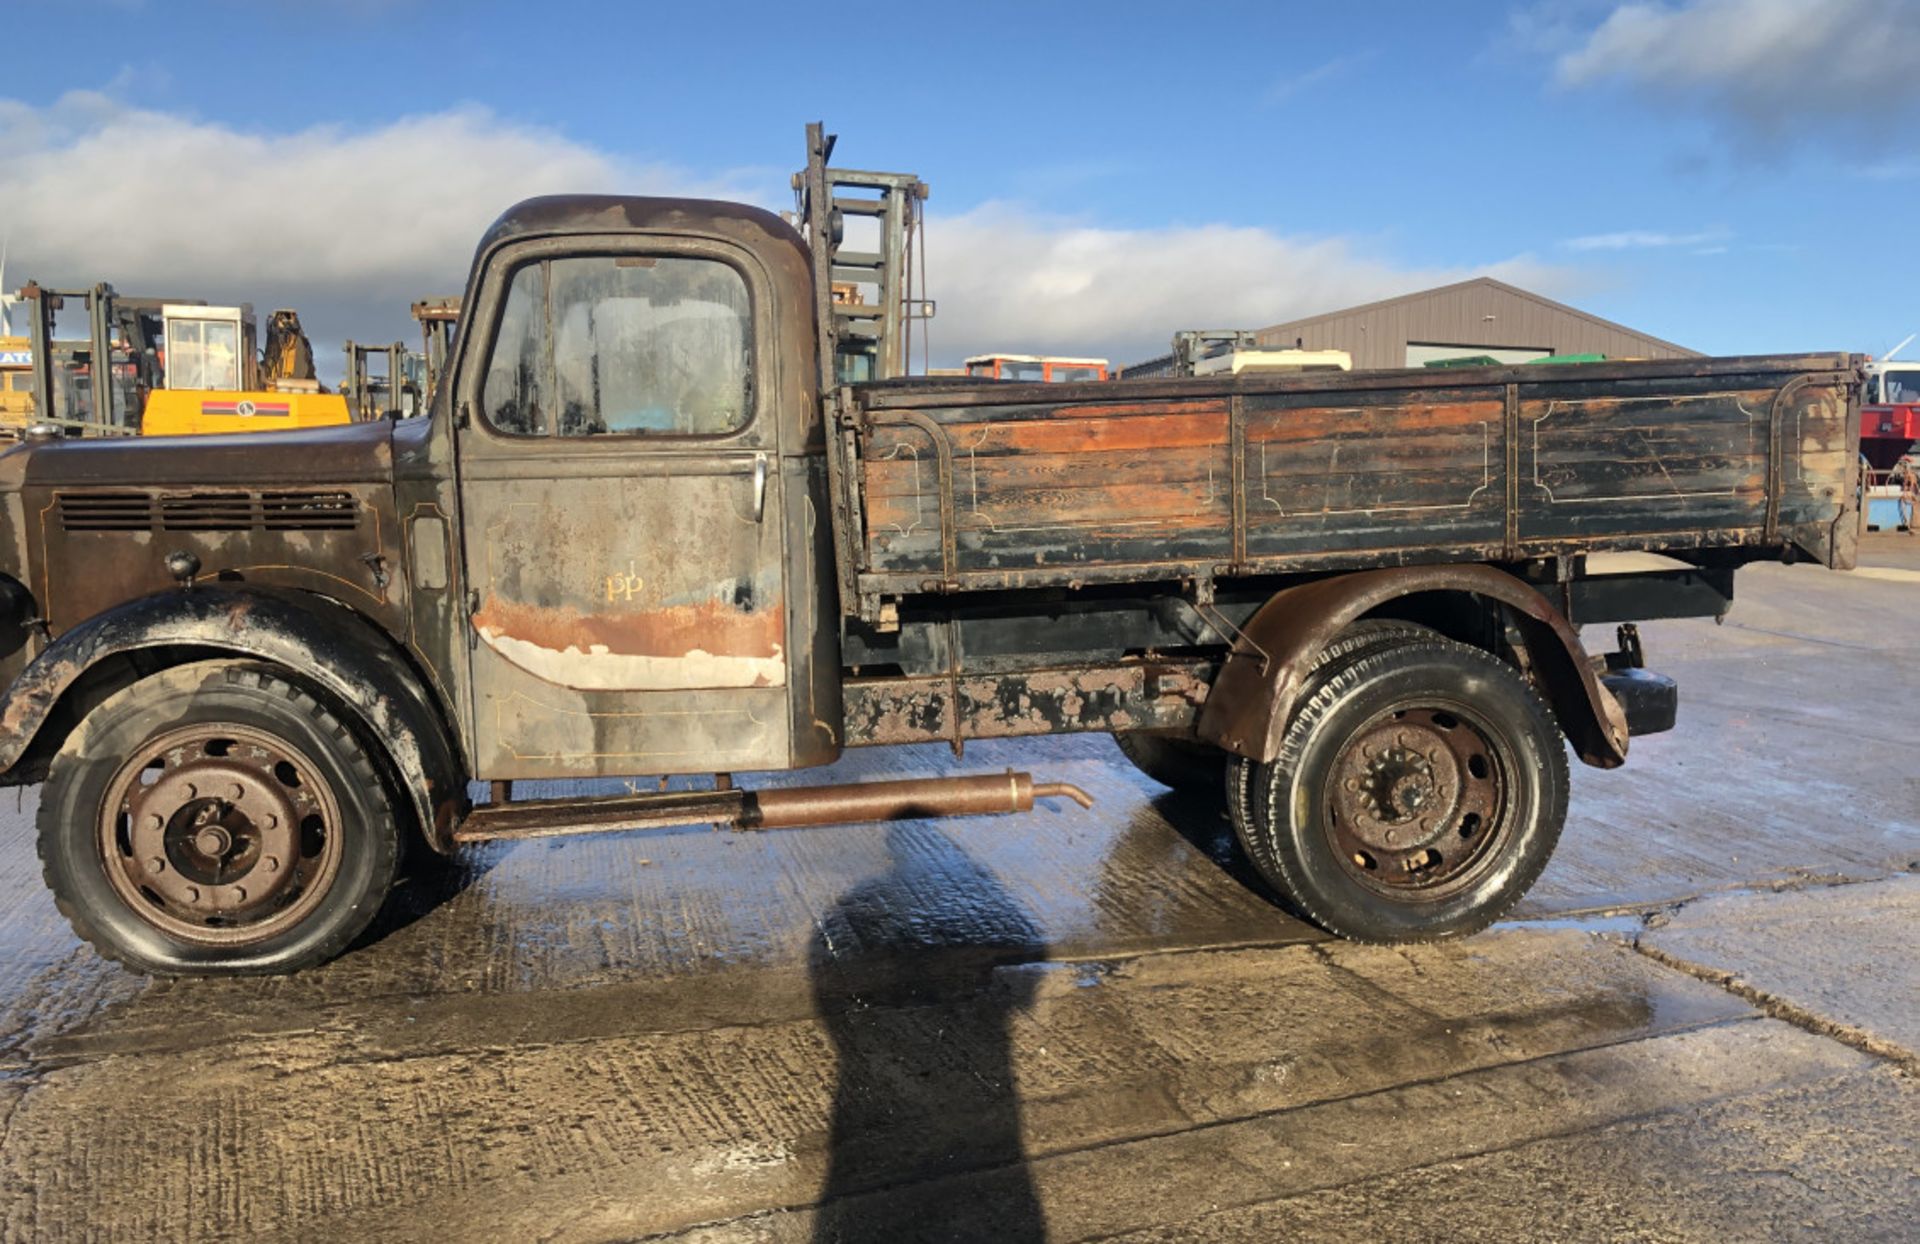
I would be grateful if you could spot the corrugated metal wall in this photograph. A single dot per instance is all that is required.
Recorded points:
(1475, 313)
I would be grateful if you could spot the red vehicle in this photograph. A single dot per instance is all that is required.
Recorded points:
(1048, 368)
(1889, 413)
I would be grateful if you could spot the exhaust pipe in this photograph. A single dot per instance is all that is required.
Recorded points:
(988, 794)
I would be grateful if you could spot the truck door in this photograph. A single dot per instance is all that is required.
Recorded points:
(625, 556)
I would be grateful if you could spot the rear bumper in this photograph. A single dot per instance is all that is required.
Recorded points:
(1651, 701)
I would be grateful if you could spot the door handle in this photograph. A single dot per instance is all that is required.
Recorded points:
(759, 487)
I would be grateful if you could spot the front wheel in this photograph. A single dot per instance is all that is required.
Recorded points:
(216, 819)
(1418, 794)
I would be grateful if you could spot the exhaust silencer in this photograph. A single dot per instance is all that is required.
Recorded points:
(987, 794)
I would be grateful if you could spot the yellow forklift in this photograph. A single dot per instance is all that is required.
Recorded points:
(16, 385)
(165, 367)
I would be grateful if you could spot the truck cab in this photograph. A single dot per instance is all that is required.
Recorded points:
(599, 553)
(1892, 384)
(1889, 415)
(640, 493)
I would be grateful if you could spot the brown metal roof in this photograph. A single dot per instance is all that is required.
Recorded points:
(1377, 333)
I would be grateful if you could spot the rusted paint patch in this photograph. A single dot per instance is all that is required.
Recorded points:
(669, 647)
(922, 710)
(27, 704)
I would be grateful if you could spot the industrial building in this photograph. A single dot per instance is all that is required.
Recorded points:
(1478, 317)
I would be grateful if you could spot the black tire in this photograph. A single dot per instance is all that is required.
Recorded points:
(305, 841)
(1419, 792)
(1243, 776)
(1181, 764)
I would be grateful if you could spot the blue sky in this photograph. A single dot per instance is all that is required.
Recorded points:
(1736, 175)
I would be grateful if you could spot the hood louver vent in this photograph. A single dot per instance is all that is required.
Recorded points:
(209, 511)
(106, 511)
(308, 511)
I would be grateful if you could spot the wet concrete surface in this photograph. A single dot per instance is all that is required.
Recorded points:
(1071, 1024)
(1843, 959)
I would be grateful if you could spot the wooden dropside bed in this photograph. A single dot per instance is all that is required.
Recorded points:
(978, 487)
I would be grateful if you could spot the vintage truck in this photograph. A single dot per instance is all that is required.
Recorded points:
(643, 531)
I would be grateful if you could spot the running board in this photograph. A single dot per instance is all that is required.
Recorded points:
(988, 794)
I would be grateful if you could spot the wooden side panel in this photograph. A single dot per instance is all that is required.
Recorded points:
(1598, 462)
(1053, 486)
(1381, 470)
(1683, 463)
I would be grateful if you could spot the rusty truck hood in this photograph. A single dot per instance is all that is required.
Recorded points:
(96, 522)
(353, 453)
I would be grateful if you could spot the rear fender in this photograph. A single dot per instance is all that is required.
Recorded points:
(1253, 696)
(317, 640)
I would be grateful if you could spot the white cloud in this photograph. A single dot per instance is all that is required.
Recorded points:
(1643, 239)
(347, 225)
(1010, 280)
(1899, 168)
(1771, 67)
(1286, 88)
(350, 225)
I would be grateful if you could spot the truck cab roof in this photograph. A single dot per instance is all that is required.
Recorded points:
(601, 213)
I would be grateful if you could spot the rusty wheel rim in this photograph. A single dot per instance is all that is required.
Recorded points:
(1420, 801)
(221, 834)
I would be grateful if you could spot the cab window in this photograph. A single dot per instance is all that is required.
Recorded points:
(604, 345)
(203, 354)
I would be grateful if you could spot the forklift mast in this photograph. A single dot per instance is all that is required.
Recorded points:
(60, 404)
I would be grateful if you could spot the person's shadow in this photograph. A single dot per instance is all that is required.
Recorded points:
(904, 983)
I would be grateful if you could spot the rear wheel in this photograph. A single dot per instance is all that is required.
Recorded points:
(1243, 775)
(216, 818)
(1419, 791)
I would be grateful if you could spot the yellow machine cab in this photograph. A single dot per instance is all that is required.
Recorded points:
(160, 367)
(211, 380)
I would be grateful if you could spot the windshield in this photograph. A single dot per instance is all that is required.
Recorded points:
(1900, 387)
(598, 345)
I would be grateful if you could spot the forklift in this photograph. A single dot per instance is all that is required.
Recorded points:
(173, 367)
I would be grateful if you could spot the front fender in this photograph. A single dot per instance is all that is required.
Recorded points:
(1253, 696)
(317, 640)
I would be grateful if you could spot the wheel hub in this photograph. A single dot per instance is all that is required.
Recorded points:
(215, 836)
(213, 840)
(1415, 800)
(221, 834)
(1402, 783)
(1398, 786)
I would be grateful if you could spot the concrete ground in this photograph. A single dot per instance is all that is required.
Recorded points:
(1702, 1024)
